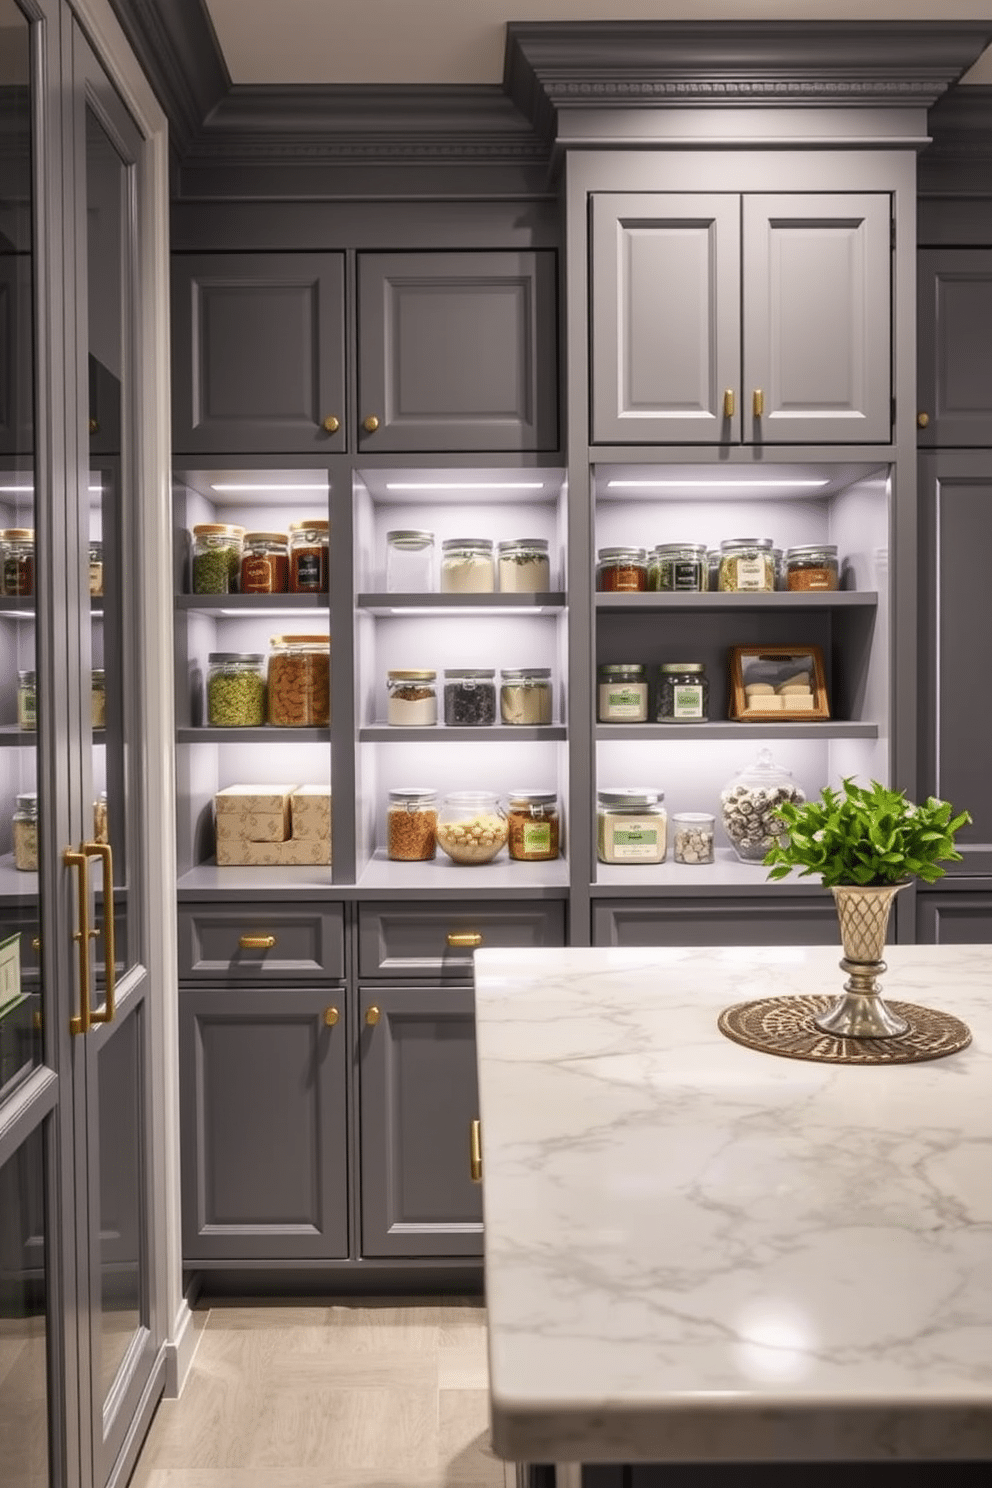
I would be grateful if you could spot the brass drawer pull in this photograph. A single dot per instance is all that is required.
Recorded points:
(759, 403)
(331, 1016)
(464, 939)
(729, 403)
(257, 942)
(475, 1151)
(372, 1016)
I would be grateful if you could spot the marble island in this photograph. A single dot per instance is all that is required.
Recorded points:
(697, 1253)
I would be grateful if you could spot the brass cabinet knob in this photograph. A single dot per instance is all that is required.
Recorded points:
(922, 420)
(36, 943)
(467, 939)
(758, 403)
(370, 424)
(475, 1151)
(257, 942)
(331, 1016)
(372, 1016)
(94, 426)
(331, 424)
(729, 403)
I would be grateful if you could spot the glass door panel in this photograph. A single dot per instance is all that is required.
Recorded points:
(24, 1426)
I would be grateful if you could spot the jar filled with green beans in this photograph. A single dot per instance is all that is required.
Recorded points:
(236, 689)
(216, 557)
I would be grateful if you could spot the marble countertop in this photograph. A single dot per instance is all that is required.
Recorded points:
(698, 1252)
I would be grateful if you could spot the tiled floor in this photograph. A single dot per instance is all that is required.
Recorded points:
(347, 1396)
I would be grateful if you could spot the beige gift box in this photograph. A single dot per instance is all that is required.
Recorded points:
(310, 809)
(272, 854)
(252, 813)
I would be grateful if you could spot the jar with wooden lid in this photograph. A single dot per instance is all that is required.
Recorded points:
(236, 689)
(411, 698)
(299, 681)
(534, 826)
(411, 824)
(309, 550)
(17, 548)
(814, 566)
(622, 570)
(265, 563)
(25, 829)
(217, 557)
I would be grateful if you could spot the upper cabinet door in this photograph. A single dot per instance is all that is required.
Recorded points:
(258, 352)
(457, 351)
(817, 319)
(665, 352)
(954, 330)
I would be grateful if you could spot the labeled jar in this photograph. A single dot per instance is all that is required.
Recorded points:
(469, 697)
(27, 700)
(683, 694)
(524, 566)
(471, 827)
(101, 824)
(409, 561)
(411, 824)
(621, 570)
(631, 825)
(622, 693)
(692, 837)
(96, 569)
(525, 696)
(25, 828)
(467, 566)
(309, 550)
(411, 699)
(299, 684)
(748, 804)
(680, 568)
(235, 689)
(17, 547)
(534, 826)
(812, 567)
(265, 563)
(98, 698)
(747, 564)
(216, 557)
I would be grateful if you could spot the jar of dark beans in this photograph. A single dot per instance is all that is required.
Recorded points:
(683, 693)
(469, 697)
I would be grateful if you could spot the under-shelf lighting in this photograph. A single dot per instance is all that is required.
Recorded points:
(29, 490)
(274, 486)
(464, 485)
(733, 485)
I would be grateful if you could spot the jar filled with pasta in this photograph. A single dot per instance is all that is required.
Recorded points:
(299, 682)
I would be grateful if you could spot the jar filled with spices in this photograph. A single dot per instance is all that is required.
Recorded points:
(411, 698)
(692, 837)
(25, 826)
(409, 562)
(101, 822)
(235, 689)
(471, 827)
(535, 829)
(27, 700)
(216, 557)
(467, 566)
(812, 567)
(622, 693)
(631, 825)
(683, 694)
(18, 561)
(299, 684)
(525, 695)
(96, 568)
(524, 566)
(265, 563)
(621, 570)
(411, 824)
(747, 564)
(309, 550)
(98, 698)
(677, 568)
(469, 697)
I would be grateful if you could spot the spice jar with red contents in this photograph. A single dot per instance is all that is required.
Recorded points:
(18, 561)
(308, 554)
(265, 563)
(622, 570)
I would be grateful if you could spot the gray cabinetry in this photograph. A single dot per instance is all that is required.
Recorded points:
(956, 917)
(267, 943)
(16, 359)
(437, 940)
(723, 318)
(954, 329)
(807, 920)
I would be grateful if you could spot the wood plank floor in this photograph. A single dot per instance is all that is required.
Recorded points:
(292, 1395)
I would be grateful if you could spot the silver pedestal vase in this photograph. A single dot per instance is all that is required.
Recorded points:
(860, 1011)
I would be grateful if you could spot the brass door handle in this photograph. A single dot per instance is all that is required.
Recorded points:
(475, 1151)
(372, 1016)
(370, 424)
(331, 1016)
(104, 851)
(464, 939)
(257, 942)
(922, 420)
(758, 403)
(729, 403)
(80, 1022)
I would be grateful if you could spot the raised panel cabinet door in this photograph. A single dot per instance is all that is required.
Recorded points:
(263, 1124)
(954, 333)
(665, 319)
(715, 922)
(419, 1096)
(258, 353)
(954, 918)
(817, 319)
(457, 351)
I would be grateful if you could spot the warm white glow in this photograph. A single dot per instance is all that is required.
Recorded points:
(713, 485)
(17, 490)
(288, 486)
(464, 485)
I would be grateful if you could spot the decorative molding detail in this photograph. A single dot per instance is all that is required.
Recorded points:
(176, 46)
(958, 161)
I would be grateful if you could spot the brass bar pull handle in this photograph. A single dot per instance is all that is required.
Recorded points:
(331, 1016)
(80, 1022)
(759, 403)
(372, 1016)
(465, 939)
(729, 403)
(105, 852)
(257, 942)
(475, 1151)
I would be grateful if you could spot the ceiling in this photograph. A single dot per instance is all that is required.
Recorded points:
(434, 42)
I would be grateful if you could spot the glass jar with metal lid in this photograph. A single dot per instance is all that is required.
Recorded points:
(683, 694)
(299, 683)
(309, 547)
(409, 561)
(27, 700)
(747, 564)
(622, 693)
(621, 570)
(467, 566)
(25, 828)
(216, 557)
(812, 567)
(535, 830)
(96, 568)
(17, 548)
(265, 563)
(98, 698)
(235, 689)
(525, 696)
(631, 825)
(411, 698)
(469, 697)
(411, 824)
(471, 827)
(677, 568)
(524, 566)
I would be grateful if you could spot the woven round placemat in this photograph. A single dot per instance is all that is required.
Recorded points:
(784, 1025)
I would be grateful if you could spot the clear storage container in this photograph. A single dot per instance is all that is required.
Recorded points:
(217, 557)
(309, 548)
(622, 694)
(525, 696)
(265, 563)
(677, 568)
(235, 689)
(471, 827)
(524, 566)
(747, 564)
(631, 825)
(534, 826)
(409, 561)
(621, 570)
(299, 683)
(692, 837)
(411, 824)
(748, 803)
(469, 697)
(683, 694)
(812, 567)
(411, 698)
(25, 829)
(467, 566)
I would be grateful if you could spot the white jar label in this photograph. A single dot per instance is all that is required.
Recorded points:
(688, 701)
(751, 573)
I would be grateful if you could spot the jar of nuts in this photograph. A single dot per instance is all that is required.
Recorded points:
(471, 826)
(300, 681)
(411, 823)
(748, 804)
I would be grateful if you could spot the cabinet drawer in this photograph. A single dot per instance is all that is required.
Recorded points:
(263, 943)
(416, 939)
(715, 922)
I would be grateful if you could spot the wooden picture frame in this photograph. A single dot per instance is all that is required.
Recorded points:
(777, 684)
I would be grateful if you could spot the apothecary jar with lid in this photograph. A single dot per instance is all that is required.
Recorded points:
(409, 561)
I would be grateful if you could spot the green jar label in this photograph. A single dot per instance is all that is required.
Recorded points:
(537, 837)
(688, 701)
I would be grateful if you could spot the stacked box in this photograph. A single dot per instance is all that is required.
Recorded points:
(310, 810)
(295, 851)
(253, 813)
(271, 825)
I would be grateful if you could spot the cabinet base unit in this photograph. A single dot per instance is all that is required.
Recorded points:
(955, 916)
(715, 922)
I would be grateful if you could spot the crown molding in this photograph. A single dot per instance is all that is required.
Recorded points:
(958, 161)
(177, 49)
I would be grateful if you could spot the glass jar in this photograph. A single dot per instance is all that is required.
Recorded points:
(678, 568)
(25, 825)
(265, 563)
(235, 689)
(299, 689)
(471, 827)
(683, 694)
(18, 561)
(692, 837)
(411, 824)
(713, 569)
(631, 825)
(309, 553)
(98, 698)
(27, 700)
(101, 825)
(748, 803)
(467, 566)
(524, 566)
(409, 562)
(621, 570)
(469, 697)
(525, 696)
(746, 564)
(216, 557)
(622, 693)
(534, 826)
(411, 699)
(96, 569)
(812, 567)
